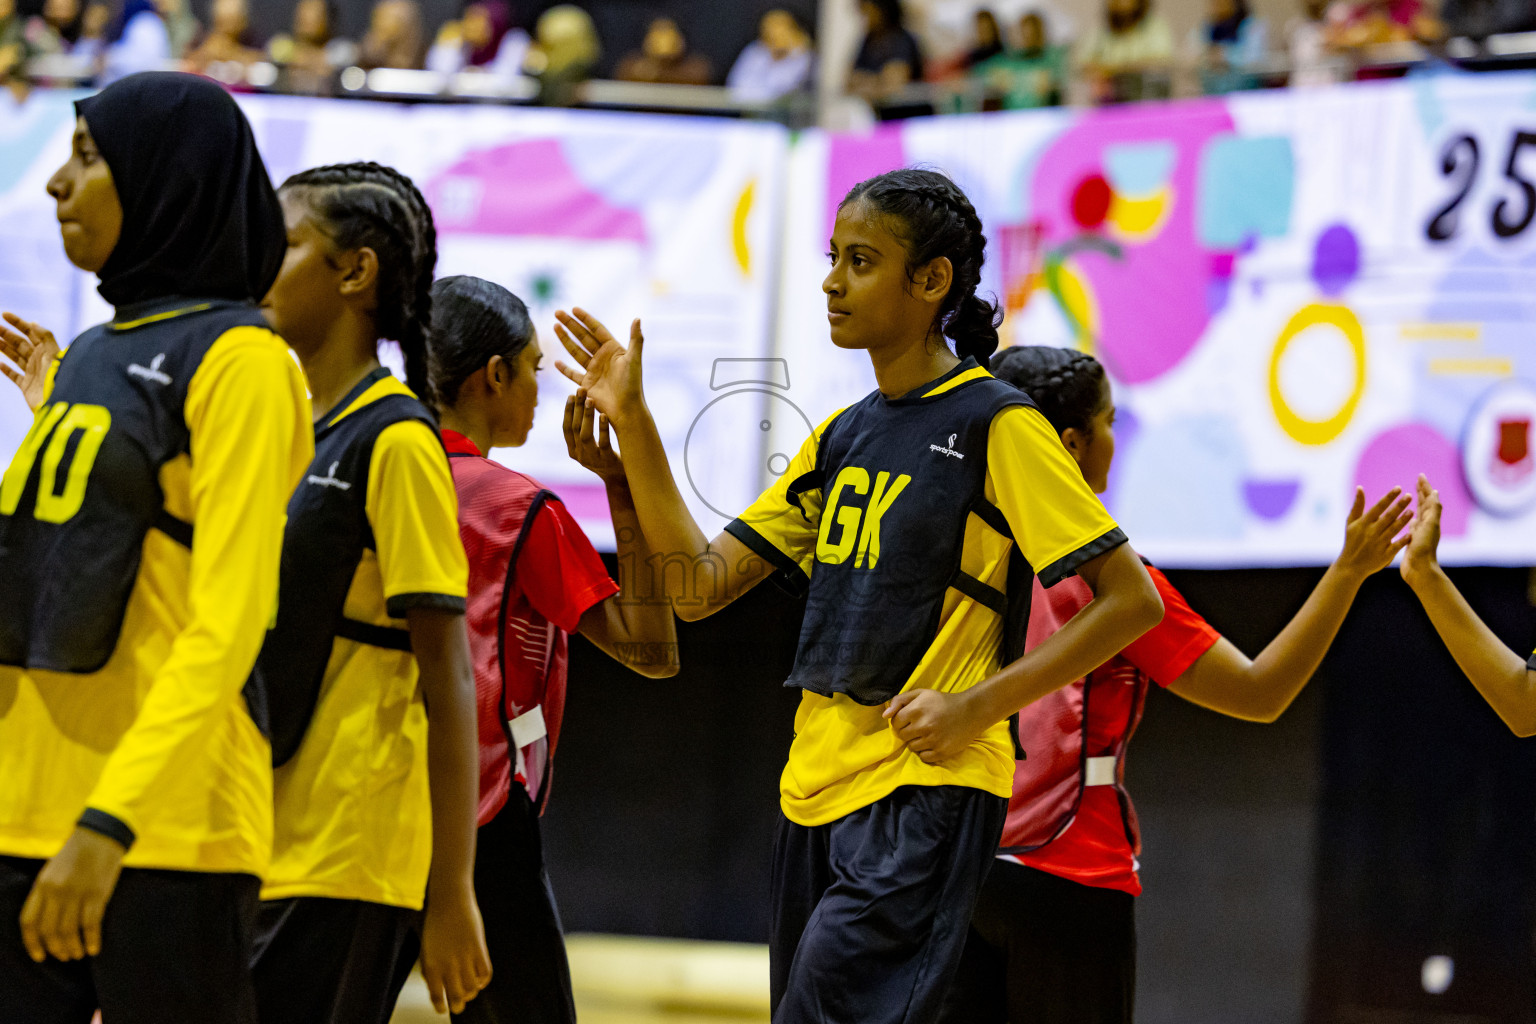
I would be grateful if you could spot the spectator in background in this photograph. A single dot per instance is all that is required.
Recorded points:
(1313, 60)
(94, 25)
(13, 43)
(663, 57)
(143, 45)
(989, 40)
(1034, 75)
(395, 38)
(778, 62)
(1229, 47)
(483, 39)
(1359, 26)
(888, 61)
(227, 41)
(312, 54)
(55, 30)
(1130, 56)
(564, 54)
(181, 25)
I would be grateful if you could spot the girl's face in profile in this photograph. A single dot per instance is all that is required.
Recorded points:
(89, 211)
(518, 397)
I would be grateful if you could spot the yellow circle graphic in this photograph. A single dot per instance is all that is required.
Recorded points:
(1303, 430)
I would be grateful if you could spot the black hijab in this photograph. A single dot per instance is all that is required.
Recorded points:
(200, 218)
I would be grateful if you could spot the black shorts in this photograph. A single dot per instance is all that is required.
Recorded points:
(1043, 948)
(325, 961)
(530, 976)
(870, 911)
(175, 949)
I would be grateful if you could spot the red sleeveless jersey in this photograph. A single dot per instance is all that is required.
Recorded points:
(1070, 814)
(532, 574)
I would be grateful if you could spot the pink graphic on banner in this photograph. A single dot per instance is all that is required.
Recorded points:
(853, 158)
(1152, 291)
(1397, 456)
(530, 189)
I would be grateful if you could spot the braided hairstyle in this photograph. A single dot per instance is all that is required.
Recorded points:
(368, 204)
(1066, 384)
(934, 218)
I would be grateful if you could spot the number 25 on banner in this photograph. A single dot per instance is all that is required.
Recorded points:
(1459, 162)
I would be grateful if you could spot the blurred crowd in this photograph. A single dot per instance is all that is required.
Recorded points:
(1026, 59)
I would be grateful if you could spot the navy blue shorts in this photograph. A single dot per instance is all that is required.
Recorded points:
(870, 912)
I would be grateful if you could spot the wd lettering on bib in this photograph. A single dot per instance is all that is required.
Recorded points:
(899, 479)
(83, 490)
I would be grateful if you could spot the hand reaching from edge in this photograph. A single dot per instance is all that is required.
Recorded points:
(32, 349)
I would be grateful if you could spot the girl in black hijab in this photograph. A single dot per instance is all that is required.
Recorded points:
(140, 530)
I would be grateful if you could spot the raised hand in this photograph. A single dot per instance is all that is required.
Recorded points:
(605, 369)
(1371, 536)
(1421, 554)
(595, 452)
(32, 349)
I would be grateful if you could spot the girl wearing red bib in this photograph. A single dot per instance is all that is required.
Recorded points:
(534, 578)
(1053, 934)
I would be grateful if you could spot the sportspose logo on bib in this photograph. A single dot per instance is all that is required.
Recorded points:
(947, 449)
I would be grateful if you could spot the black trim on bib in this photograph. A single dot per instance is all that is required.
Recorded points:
(387, 637)
(179, 530)
(792, 575)
(979, 592)
(1068, 564)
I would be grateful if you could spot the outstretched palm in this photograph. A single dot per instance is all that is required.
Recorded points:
(1424, 539)
(33, 349)
(609, 373)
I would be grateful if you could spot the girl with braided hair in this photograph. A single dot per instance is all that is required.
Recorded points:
(901, 515)
(1053, 936)
(375, 797)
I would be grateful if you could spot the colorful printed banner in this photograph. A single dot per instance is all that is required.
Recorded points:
(669, 219)
(1294, 292)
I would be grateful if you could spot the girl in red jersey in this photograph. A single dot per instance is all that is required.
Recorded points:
(1053, 934)
(534, 578)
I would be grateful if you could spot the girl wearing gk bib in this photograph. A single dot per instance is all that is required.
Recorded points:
(1053, 935)
(534, 578)
(140, 532)
(375, 795)
(902, 514)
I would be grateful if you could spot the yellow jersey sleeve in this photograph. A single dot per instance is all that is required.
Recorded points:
(248, 416)
(782, 526)
(414, 512)
(1056, 520)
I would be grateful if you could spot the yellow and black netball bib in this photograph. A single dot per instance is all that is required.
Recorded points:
(325, 538)
(84, 488)
(898, 479)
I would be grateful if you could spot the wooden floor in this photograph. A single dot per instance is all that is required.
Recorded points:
(623, 980)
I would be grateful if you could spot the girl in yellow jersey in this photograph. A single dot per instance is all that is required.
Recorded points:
(905, 512)
(140, 534)
(367, 667)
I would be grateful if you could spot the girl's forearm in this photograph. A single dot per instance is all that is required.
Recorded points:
(1124, 607)
(663, 516)
(442, 652)
(644, 635)
(1499, 674)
